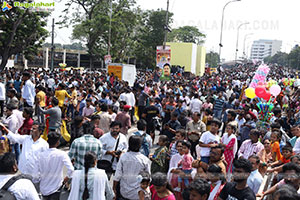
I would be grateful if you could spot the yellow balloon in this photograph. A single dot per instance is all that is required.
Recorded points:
(250, 93)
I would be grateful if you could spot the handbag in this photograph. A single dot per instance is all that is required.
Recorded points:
(106, 164)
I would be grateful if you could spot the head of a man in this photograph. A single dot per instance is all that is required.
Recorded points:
(254, 160)
(8, 163)
(199, 189)
(141, 125)
(254, 135)
(115, 128)
(196, 116)
(242, 170)
(291, 174)
(216, 154)
(53, 139)
(35, 130)
(135, 143)
(27, 112)
(54, 102)
(26, 76)
(231, 115)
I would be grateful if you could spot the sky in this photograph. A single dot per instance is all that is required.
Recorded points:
(268, 19)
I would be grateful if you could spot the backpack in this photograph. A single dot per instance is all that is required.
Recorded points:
(4, 193)
(145, 145)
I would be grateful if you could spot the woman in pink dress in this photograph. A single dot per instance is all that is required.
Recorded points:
(229, 142)
(161, 189)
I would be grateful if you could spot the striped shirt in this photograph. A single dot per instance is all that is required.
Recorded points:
(219, 104)
(81, 146)
(248, 148)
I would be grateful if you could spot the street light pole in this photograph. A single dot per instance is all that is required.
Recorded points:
(109, 29)
(222, 23)
(52, 46)
(167, 24)
(237, 39)
(244, 45)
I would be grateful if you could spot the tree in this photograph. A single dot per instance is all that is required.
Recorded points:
(212, 58)
(92, 21)
(190, 34)
(294, 58)
(150, 34)
(279, 58)
(23, 32)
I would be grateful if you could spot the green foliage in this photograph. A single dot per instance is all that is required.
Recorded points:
(294, 58)
(23, 32)
(279, 58)
(92, 22)
(212, 58)
(150, 34)
(190, 34)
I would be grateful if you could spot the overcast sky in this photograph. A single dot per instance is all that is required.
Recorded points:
(269, 19)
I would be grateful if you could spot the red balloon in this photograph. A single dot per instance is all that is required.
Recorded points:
(260, 91)
(267, 96)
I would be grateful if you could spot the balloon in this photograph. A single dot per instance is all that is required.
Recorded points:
(270, 83)
(275, 90)
(267, 96)
(260, 91)
(250, 93)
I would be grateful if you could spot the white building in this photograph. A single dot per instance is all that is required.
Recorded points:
(263, 48)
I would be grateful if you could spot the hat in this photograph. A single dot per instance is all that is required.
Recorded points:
(127, 107)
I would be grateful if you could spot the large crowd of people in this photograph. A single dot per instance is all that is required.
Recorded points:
(187, 138)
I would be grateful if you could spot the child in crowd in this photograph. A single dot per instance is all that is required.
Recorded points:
(287, 153)
(160, 188)
(4, 145)
(186, 165)
(159, 158)
(179, 135)
(144, 191)
(275, 139)
(209, 139)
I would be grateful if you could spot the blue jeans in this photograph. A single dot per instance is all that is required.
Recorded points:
(16, 150)
(218, 114)
(205, 159)
(186, 180)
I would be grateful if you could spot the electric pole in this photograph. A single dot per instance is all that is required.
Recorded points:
(52, 46)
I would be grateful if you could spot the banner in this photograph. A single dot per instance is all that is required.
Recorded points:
(163, 56)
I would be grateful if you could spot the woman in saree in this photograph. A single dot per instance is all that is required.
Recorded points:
(229, 142)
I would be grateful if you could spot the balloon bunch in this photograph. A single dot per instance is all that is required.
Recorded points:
(260, 75)
(264, 92)
(288, 81)
(270, 83)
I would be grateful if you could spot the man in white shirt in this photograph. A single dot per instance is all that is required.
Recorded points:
(50, 168)
(22, 188)
(109, 142)
(131, 164)
(255, 179)
(131, 102)
(50, 82)
(11, 120)
(28, 90)
(209, 139)
(2, 96)
(32, 146)
(195, 104)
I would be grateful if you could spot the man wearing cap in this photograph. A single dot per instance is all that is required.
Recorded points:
(124, 118)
